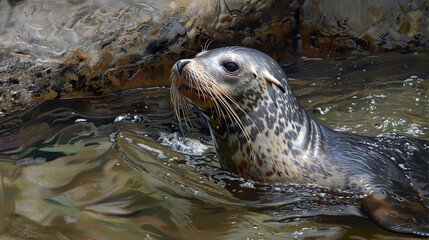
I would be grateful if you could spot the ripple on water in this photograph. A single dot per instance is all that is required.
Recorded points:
(391, 95)
(116, 166)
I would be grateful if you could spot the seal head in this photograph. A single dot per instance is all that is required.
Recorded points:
(225, 71)
(261, 132)
(256, 122)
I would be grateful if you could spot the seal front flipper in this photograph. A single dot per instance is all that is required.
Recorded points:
(397, 214)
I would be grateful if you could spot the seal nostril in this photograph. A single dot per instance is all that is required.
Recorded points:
(180, 65)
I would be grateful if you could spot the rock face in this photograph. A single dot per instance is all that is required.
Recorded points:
(52, 49)
(333, 27)
(63, 49)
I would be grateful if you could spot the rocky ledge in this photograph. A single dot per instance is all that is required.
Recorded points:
(51, 49)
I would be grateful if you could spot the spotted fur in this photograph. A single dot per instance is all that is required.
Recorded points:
(261, 132)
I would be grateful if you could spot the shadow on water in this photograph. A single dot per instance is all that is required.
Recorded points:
(115, 167)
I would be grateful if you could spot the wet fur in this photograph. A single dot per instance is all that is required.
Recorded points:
(262, 133)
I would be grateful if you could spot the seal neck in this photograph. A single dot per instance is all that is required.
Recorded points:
(283, 142)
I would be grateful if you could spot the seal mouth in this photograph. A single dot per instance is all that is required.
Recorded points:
(191, 83)
(190, 86)
(195, 95)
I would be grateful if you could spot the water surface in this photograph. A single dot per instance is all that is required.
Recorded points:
(118, 167)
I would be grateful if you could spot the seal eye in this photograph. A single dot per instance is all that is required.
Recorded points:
(230, 67)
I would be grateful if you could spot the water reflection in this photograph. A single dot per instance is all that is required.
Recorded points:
(366, 95)
(115, 167)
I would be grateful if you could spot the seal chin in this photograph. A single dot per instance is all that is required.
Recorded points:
(261, 132)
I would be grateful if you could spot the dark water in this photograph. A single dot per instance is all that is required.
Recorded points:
(116, 167)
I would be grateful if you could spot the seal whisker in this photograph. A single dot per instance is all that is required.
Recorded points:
(267, 136)
(232, 114)
(207, 87)
(180, 106)
(235, 118)
(215, 93)
(207, 45)
(218, 109)
(228, 97)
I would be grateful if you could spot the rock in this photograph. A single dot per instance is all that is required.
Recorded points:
(75, 48)
(58, 49)
(336, 27)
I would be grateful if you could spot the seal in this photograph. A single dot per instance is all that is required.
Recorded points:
(262, 133)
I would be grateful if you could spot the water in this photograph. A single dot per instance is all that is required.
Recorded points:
(116, 167)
